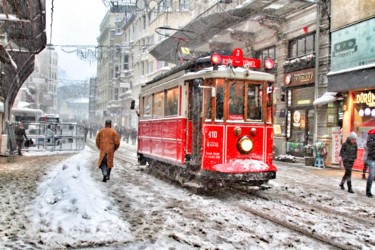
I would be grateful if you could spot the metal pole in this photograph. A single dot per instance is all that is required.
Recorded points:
(316, 86)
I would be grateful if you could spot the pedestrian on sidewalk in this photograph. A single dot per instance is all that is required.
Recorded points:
(365, 165)
(348, 154)
(107, 141)
(370, 143)
(133, 135)
(20, 137)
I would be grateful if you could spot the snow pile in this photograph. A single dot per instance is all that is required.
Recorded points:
(70, 209)
(242, 166)
(286, 158)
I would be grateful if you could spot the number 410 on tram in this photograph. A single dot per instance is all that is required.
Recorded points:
(208, 123)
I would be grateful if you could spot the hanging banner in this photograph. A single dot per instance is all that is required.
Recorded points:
(336, 145)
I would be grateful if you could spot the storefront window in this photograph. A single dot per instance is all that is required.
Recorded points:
(364, 115)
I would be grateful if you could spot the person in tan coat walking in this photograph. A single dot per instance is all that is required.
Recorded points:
(107, 141)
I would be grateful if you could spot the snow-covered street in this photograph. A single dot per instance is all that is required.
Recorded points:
(57, 200)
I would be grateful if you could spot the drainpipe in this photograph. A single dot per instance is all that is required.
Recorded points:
(316, 86)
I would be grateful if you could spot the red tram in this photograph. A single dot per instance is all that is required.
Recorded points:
(208, 126)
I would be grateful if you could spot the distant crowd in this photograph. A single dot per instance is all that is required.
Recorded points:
(126, 134)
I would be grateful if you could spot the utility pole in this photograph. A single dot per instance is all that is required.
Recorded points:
(316, 86)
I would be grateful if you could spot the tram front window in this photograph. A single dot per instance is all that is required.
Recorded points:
(254, 102)
(236, 101)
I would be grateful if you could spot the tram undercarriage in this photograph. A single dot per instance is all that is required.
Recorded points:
(202, 181)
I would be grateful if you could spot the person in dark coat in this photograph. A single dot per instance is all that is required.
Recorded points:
(370, 144)
(133, 135)
(348, 154)
(20, 137)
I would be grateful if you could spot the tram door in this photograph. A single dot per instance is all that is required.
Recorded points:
(194, 117)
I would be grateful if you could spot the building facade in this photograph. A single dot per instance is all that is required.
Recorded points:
(352, 73)
(39, 91)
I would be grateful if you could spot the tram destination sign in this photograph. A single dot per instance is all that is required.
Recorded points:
(237, 60)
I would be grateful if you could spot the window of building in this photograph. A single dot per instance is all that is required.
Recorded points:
(266, 53)
(151, 67)
(126, 62)
(184, 4)
(116, 94)
(301, 46)
(171, 102)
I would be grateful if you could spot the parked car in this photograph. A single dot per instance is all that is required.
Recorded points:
(38, 135)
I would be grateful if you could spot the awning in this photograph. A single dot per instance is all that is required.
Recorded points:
(218, 28)
(327, 97)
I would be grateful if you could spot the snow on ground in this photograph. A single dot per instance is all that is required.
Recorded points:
(70, 207)
(57, 200)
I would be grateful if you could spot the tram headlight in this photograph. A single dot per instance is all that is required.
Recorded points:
(245, 145)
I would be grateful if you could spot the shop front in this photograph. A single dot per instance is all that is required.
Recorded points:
(300, 110)
(363, 119)
(353, 75)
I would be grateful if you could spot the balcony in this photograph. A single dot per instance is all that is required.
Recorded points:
(299, 63)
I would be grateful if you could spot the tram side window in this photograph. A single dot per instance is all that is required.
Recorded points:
(236, 101)
(219, 100)
(269, 103)
(207, 103)
(254, 102)
(147, 106)
(171, 104)
(158, 105)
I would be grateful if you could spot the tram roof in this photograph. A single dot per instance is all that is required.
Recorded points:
(222, 72)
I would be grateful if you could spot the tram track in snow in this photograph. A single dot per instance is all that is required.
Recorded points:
(297, 214)
(306, 218)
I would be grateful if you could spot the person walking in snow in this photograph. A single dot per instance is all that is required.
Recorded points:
(133, 135)
(370, 144)
(365, 165)
(348, 154)
(107, 141)
(20, 137)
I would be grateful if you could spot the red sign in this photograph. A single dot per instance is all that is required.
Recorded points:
(213, 136)
(237, 60)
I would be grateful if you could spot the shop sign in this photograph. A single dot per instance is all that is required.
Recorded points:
(300, 77)
(336, 145)
(367, 98)
(353, 46)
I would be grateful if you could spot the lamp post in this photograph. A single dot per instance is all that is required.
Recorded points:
(316, 84)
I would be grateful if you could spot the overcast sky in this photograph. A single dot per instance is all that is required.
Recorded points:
(75, 22)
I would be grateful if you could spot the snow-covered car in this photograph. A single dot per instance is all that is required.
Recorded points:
(38, 136)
